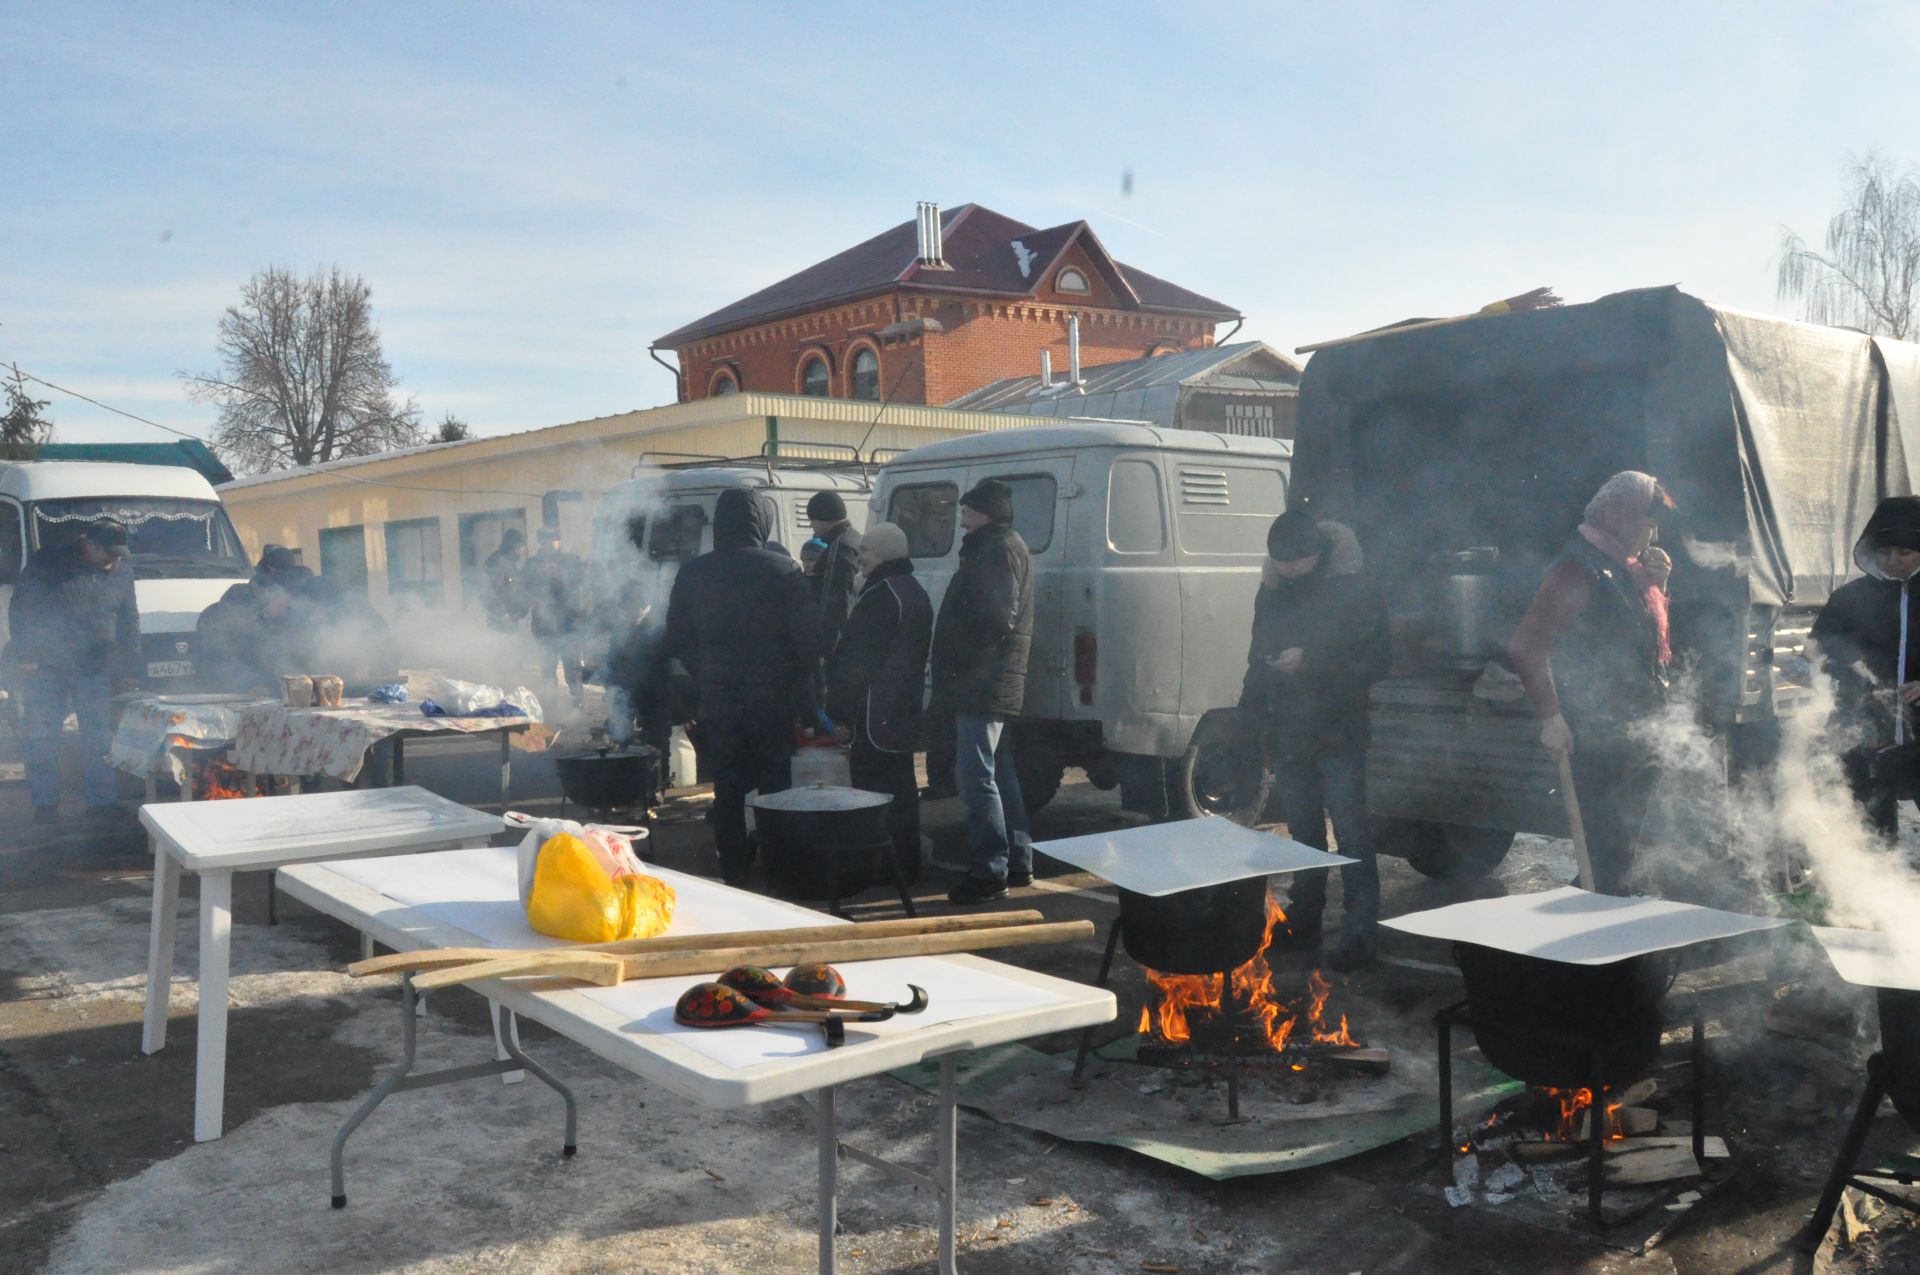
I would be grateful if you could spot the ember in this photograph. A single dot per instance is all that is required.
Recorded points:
(1254, 1019)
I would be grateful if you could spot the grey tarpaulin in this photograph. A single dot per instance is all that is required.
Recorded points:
(1776, 437)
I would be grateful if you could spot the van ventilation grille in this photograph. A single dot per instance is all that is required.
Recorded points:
(1203, 487)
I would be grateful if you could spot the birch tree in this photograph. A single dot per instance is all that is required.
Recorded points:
(1869, 275)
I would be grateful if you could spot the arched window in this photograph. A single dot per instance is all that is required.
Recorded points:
(1071, 280)
(724, 383)
(813, 377)
(866, 375)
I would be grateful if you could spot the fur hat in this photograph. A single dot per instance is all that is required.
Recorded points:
(991, 497)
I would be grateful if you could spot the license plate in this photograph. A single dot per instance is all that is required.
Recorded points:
(169, 668)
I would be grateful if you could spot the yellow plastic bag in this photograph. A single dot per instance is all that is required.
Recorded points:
(573, 898)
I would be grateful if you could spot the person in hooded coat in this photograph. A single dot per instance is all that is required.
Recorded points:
(740, 620)
(1867, 640)
(1319, 642)
(875, 679)
(1592, 651)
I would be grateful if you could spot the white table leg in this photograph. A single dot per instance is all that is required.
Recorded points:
(500, 1053)
(166, 906)
(210, 1069)
(946, 1170)
(829, 1135)
(366, 946)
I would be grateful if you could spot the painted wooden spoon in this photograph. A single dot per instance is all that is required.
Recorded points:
(760, 986)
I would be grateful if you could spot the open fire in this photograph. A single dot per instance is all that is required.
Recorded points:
(1239, 1012)
(214, 779)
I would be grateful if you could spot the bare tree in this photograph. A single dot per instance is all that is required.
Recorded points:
(24, 425)
(302, 378)
(1869, 276)
(452, 430)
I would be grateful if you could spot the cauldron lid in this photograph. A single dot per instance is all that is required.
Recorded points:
(1579, 927)
(1868, 958)
(610, 752)
(819, 799)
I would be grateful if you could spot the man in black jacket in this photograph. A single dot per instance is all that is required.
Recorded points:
(980, 647)
(76, 632)
(1868, 641)
(1319, 642)
(740, 620)
(875, 679)
(836, 576)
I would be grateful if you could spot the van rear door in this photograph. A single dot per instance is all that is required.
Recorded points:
(1222, 509)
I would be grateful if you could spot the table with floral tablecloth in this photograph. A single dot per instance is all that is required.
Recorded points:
(273, 739)
(155, 731)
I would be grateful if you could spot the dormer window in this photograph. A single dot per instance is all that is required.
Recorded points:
(1071, 280)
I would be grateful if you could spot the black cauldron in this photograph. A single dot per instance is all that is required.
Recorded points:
(822, 842)
(1900, 1051)
(610, 777)
(1212, 930)
(1550, 1023)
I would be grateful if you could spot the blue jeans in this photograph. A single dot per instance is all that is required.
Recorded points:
(47, 698)
(1310, 792)
(997, 837)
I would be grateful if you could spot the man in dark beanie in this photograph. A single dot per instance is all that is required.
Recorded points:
(740, 620)
(980, 646)
(835, 578)
(1319, 642)
(75, 634)
(1868, 641)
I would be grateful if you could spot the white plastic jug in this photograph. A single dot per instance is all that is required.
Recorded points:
(683, 764)
(822, 765)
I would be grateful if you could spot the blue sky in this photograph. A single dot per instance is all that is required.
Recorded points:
(534, 192)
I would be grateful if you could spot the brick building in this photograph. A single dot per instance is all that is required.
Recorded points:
(936, 308)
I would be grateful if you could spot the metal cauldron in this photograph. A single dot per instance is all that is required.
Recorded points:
(611, 776)
(1550, 1023)
(822, 842)
(1900, 1051)
(1212, 930)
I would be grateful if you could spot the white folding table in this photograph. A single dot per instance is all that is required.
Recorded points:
(469, 898)
(218, 838)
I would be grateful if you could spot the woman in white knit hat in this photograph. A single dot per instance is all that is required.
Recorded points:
(876, 675)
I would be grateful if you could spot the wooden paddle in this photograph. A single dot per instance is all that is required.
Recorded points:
(442, 958)
(609, 971)
(1571, 799)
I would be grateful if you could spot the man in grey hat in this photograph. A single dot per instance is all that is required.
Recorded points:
(76, 632)
(980, 646)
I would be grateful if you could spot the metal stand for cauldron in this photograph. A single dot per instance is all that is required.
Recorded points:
(1459, 1014)
(1892, 1072)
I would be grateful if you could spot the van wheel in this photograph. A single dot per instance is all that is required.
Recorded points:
(1449, 851)
(1222, 773)
(1040, 770)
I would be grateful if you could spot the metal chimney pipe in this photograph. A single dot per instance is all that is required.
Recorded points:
(1046, 369)
(1073, 349)
(932, 251)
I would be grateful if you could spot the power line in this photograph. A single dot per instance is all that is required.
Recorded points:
(370, 482)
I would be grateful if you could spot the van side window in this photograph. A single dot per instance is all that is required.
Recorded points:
(13, 551)
(1226, 509)
(1033, 503)
(928, 513)
(676, 533)
(1136, 515)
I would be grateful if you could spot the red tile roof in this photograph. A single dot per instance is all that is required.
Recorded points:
(978, 246)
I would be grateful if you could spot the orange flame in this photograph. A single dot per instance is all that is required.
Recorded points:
(1574, 1101)
(218, 781)
(1182, 996)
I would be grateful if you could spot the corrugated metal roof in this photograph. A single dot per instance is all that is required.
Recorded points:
(1079, 435)
(1142, 389)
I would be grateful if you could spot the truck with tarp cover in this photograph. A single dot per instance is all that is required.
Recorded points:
(1463, 454)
